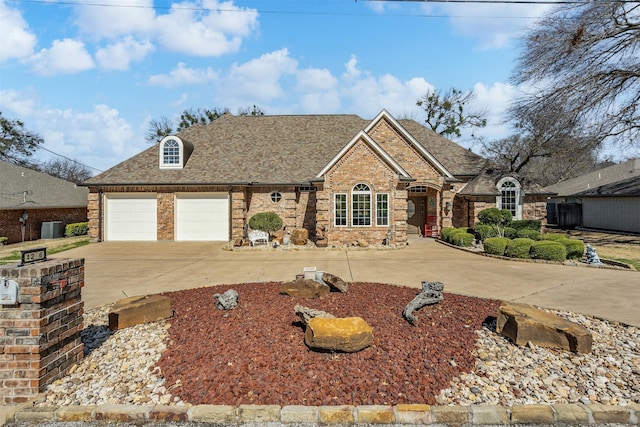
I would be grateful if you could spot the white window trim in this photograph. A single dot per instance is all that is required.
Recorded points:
(335, 217)
(180, 163)
(371, 207)
(519, 196)
(376, 209)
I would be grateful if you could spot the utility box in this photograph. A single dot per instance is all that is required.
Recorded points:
(52, 230)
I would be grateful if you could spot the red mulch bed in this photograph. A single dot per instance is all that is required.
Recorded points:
(255, 353)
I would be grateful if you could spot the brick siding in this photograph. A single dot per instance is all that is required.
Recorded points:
(10, 224)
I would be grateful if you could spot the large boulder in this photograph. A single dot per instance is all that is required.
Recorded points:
(524, 323)
(300, 236)
(335, 282)
(304, 288)
(347, 334)
(137, 310)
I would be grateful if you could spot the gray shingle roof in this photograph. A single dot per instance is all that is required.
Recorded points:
(272, 149)
(22, 188)
(485, 183)
(591, 181)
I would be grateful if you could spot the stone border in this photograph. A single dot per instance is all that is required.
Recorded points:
(414, 414)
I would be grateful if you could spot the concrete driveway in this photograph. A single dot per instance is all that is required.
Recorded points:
(115, 270)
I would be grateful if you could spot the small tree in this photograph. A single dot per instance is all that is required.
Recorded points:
(499, 218)
(266, 221)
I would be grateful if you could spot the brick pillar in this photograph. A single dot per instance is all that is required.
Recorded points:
(40, 334)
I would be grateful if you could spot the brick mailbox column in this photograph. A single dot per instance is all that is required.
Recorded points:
(40, 333)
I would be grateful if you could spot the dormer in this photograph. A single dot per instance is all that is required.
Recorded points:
(172, 153)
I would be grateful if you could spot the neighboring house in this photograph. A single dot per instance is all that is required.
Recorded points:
(606, 199)
(29, 199)
(341, 177)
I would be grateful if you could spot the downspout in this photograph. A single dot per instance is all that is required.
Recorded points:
(100, 215)
(230, 190)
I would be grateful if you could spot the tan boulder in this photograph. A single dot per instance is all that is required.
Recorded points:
(348, 334)
(524, 323)
(137, 310)
(335, 282)
(304, 288)
(300, 236)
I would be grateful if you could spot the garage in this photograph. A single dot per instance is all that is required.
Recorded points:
(131, 216)
(202, 216)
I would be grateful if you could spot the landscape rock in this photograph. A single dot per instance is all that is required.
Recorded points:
(431, 294)
(347, 334)
(524, 323)
(139, 309)
(306, 313)
(304, 288)
(227, 300)
(300, 236)
(335, 282)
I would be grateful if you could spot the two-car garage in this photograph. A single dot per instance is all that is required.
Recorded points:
(196, 216)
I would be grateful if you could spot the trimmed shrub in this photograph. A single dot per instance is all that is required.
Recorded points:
(526, 224)
(549, 250)
(76, 229)
(444, 233)
(529, 233)
(496, 217)
(495, 245)
(510, 232)
(484, 231)
(3, 240)
(554, 237)
(575, 248)
(266, 221)
(518, 248)
(461, 238)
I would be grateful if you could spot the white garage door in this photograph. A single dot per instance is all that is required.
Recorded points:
(202, 216)
(131, 217)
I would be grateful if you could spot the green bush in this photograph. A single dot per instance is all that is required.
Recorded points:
(518, 248)
(575, 248)
(549, 250)
(484, 231)
(496, 217)
(3, 240)
(76, 229)
(266, 221)
(461, 238)
(529, 233)
(444, 233)
(554, 237)
(526, 224)
(495, 245)
(510, 232)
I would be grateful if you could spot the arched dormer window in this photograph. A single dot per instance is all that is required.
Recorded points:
(510, 197)
(171, 153)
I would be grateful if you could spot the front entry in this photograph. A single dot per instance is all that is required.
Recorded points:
(416, 214)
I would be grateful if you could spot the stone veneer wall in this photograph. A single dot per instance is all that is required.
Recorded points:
(40, 334)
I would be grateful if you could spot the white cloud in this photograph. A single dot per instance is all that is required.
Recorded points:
(206, 28)
(115, 19)
(317, 90)
(64, 57)
(494, 25)
(119, 55)
(20, 104)
(183, 75)
(17, 40)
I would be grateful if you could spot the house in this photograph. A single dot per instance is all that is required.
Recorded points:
(606, 199)
(32, 202)
(341, 177)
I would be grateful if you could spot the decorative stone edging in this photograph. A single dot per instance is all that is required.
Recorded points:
(415, 414)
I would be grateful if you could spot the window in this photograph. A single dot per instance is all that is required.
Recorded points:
(382, 209)
(510, 196)
(171, 153)
(361, 205)
(340, 210)
(276, 197)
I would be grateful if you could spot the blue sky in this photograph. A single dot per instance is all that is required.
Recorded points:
(88, 75)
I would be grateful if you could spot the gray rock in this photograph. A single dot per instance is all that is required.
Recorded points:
(227, 300)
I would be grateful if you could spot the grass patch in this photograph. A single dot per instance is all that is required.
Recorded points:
(51, 249)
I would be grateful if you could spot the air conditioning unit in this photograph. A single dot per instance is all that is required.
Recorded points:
(52, 230)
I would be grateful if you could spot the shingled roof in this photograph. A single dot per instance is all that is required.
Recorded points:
(271, 150)
(612, 180)
(22, 188)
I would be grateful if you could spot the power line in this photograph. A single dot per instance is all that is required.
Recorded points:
(69, 159)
